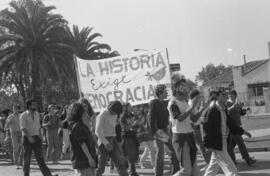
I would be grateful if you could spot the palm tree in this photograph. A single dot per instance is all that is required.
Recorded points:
(33, 47)
(84, 44)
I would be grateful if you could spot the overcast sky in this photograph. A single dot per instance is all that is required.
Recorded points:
(196, 32)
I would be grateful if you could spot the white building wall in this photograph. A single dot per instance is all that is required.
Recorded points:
(260, 75)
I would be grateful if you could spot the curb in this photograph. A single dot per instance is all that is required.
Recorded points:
(257, 149)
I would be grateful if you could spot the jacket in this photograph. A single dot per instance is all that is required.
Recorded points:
(212, 137)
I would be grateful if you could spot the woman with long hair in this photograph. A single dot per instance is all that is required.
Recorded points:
(130, 142)
(84, 157)
(89, 117)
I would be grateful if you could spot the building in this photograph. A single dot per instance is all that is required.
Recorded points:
(252, 83)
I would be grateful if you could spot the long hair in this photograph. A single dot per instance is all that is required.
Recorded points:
(75, 112)
(90, 110)
(125, 107)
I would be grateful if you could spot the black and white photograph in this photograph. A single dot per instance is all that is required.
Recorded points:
(134, 87)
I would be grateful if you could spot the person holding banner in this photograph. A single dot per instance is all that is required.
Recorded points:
(158, 117)
(107, 143)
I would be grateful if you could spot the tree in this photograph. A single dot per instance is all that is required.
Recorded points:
(32, 48)
(84, 44)
(210, 71)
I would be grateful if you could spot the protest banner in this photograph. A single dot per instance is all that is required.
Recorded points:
(126, 78)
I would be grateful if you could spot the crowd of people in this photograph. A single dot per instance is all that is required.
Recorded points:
(178, 127)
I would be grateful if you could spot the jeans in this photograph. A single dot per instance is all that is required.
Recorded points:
(149, 148)
(37, 148)
(237, 139)
(53, 140)
(16, 137)
(116, 156)
(200, 146)
(186, 168)
(160, 158)
(66, 142)
(223, 160)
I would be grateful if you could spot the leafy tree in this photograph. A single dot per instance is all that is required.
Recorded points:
(32, 48)
(84, 44)
(210, 71)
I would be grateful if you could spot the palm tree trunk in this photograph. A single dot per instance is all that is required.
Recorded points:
(35, 80)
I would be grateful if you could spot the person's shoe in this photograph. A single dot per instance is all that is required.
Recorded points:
(18, 167)
(55, 175)
(251, 161)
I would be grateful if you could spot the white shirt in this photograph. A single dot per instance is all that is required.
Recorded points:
(180, 126)
(31, 125)
(105, 126)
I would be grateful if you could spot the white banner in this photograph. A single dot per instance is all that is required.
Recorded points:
(126, 78)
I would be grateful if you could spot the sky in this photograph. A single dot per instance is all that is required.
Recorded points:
(195, 32)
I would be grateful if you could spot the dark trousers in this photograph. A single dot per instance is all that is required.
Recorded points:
(237, 139)
(116, 156)
(131, 152)
(160, 158)
(37, 148)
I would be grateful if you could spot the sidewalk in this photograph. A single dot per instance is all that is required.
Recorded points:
(259, 142)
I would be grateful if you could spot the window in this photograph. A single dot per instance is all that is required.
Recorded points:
(258, 91)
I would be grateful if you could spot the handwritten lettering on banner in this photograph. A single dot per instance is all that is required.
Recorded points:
(126, 78)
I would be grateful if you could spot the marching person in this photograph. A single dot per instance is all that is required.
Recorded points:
(130, 141)
(30, 126)
(235, 111)
(84, 157)
(107, 143)
(183, 138)
(216, 130)
(158, 117)
(13, 123)
(51, 124)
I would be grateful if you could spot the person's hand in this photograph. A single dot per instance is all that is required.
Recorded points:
(109, 147)
(31, 139)
(195, 101)
(247, 134)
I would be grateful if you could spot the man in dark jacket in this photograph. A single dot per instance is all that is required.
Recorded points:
(216, 129)
(158, 117)
(235, 111)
